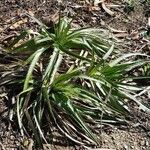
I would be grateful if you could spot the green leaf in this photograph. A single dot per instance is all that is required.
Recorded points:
(31, 68)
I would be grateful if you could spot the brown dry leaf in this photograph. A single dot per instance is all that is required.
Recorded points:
(121, 35)
(55, 17)
(91, 8)
(18, 23)
(108, 11)
(135, 35)
(75, 25)
(51, 20)
(31, 13)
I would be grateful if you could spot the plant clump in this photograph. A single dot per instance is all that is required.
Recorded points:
(75, 80)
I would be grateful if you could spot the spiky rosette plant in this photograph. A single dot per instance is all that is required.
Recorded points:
(75, 81)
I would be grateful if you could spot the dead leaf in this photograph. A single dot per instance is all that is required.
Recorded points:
(121, 35)
(18, 23)
(31, 13)
(8, 37)
(94, 8)
(55, 17)
(135, 35)
(51, 20)
(108, 11)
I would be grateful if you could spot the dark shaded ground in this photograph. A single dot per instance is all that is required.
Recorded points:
(135, 27)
